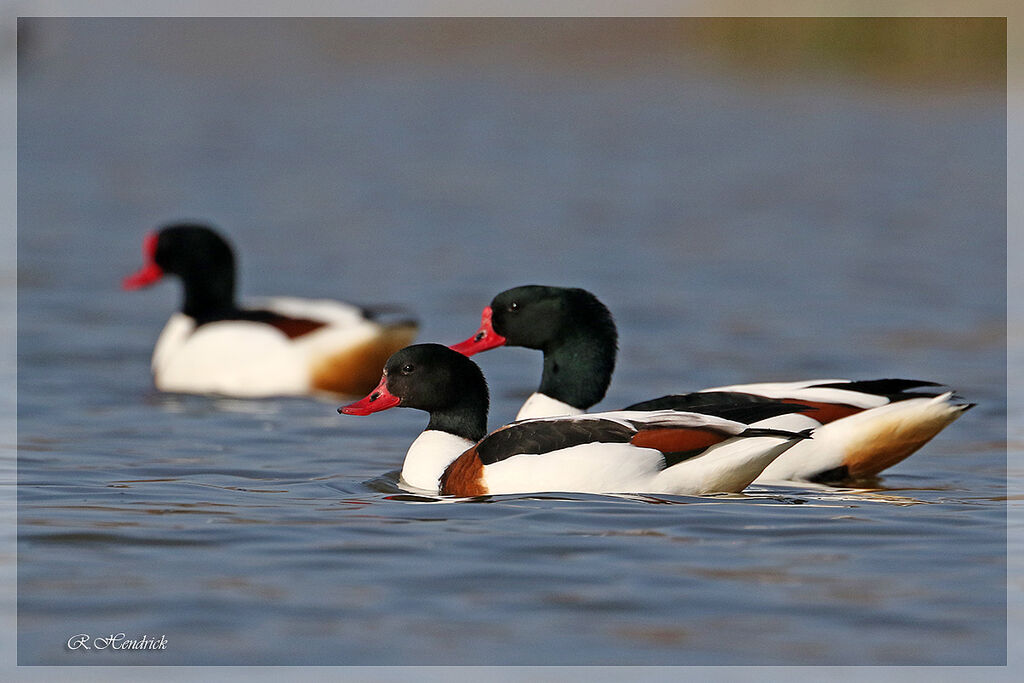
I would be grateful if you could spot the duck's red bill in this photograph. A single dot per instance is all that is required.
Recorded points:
(150, 272)
(484, 339)
(146, 276)
(379, 399)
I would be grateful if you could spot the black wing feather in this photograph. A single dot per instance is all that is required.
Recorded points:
(892, 389)
(544, 436)
(731, 405)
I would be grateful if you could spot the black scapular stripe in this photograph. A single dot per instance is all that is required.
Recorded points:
(892, 389)
(730, 405)
(544, 437)
(291, 327)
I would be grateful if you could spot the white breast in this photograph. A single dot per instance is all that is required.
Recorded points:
(429, 456)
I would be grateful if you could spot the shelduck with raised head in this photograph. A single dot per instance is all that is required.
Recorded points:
(868, 425)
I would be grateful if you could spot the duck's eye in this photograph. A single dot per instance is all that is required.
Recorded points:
(407, 368)
(513, 307)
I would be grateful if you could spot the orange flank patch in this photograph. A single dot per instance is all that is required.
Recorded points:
(677, 440)
(465, 476)
(824, 412)
(887, 443)
(356, 370)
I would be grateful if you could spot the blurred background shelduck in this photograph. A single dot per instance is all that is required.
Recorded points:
(273, 346)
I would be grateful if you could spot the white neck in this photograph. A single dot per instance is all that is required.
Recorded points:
(541, 405)
(429, 456)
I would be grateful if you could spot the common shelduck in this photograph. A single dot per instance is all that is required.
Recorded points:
(869, 425)
(616, 452)
(278, 346)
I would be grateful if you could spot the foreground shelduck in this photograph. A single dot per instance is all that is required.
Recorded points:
(869, 425)
(281, 346)
(616, 452)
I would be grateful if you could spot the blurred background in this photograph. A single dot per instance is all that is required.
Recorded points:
(754, 199)
(663, 163)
